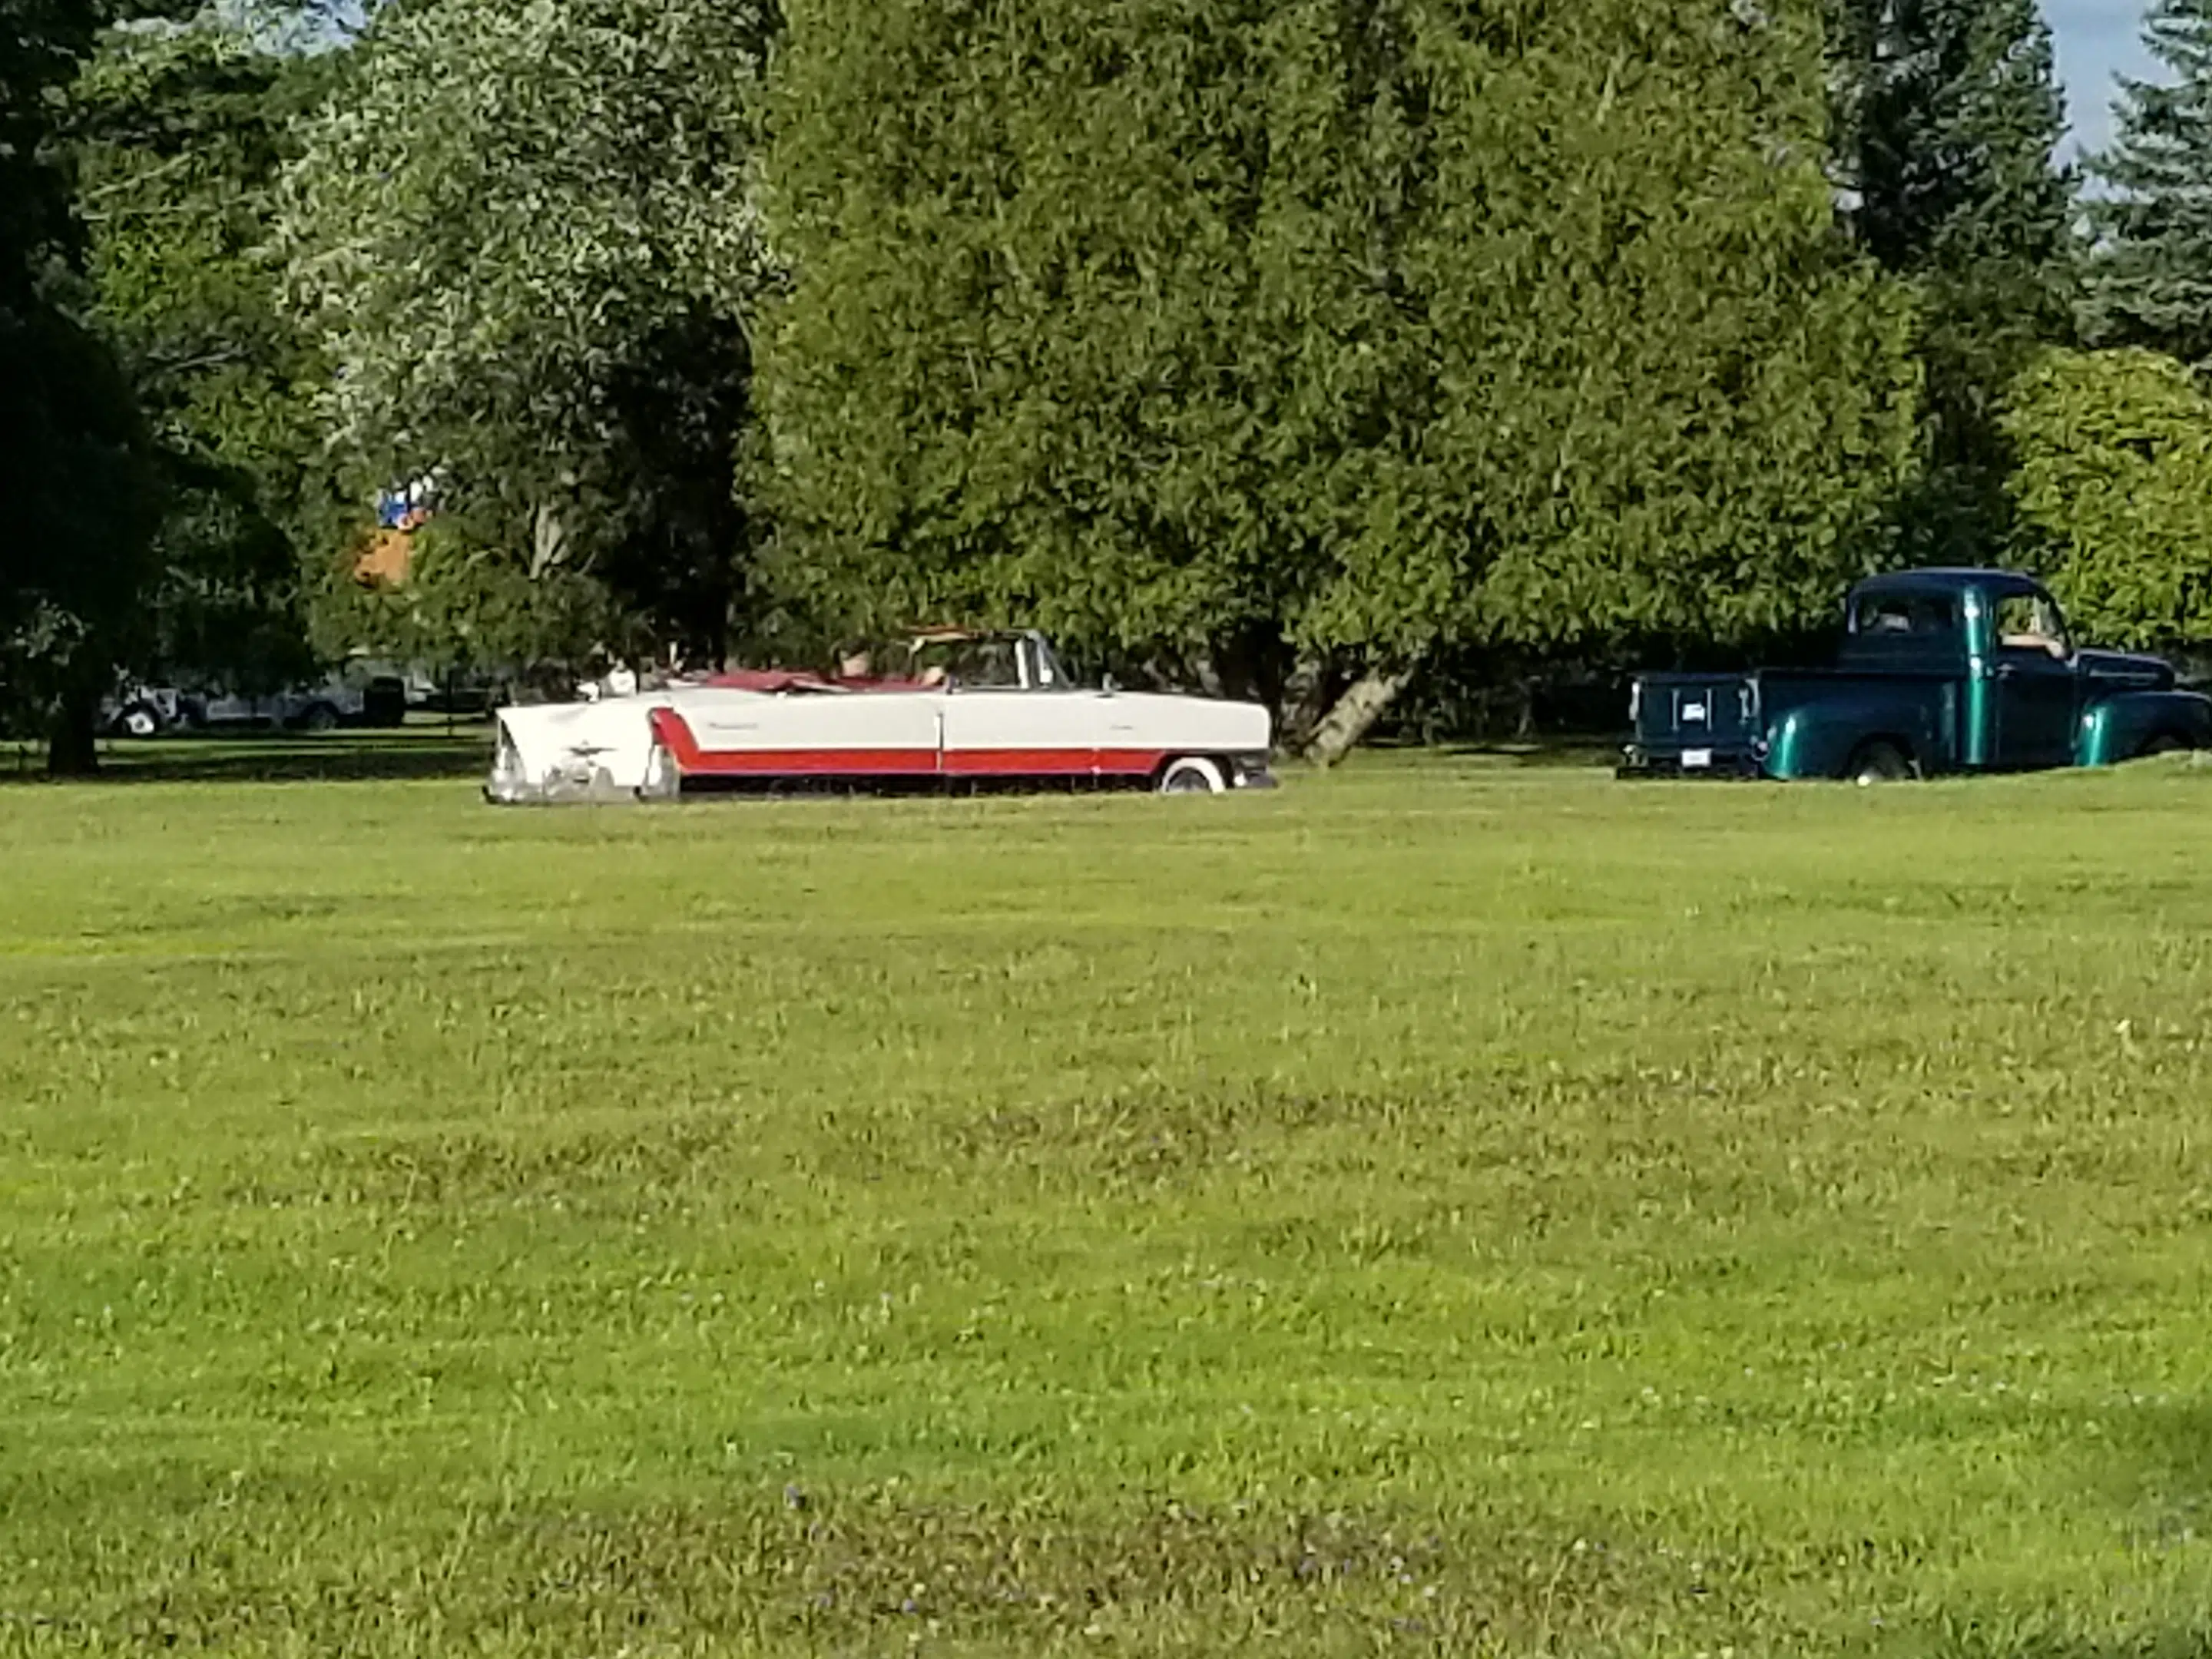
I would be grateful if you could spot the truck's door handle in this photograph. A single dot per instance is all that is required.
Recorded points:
(2007, 672)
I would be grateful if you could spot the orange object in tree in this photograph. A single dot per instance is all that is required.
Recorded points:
(387, 560)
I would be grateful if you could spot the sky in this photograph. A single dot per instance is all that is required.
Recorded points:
(2097, 39)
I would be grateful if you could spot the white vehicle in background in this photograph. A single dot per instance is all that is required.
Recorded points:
(145, 711)
(342, 699)
(972, 709)
(318, 709)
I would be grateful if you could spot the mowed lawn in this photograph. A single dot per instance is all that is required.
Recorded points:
(1438, 1208)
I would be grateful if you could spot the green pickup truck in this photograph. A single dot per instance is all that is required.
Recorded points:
(1940, 670)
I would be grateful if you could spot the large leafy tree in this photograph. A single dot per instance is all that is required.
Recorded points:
(1203, 324)
(526, 239)
(467, 605)
(74, 467)
(2115, 490)
(179, 134)
(1948, 117)
(2150, 281)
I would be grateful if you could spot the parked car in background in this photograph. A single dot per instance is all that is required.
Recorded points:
(1940, 670)
(463, 691)
(319, 708)
(342, 699)
(145, 711)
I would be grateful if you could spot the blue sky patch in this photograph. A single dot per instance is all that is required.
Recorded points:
(2097, 40)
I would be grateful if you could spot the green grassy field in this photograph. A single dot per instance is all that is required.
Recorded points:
(1441, 1208)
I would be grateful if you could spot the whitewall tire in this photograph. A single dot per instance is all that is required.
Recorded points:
(1193, 775)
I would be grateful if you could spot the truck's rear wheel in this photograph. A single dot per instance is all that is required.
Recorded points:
(1879, 762)
(2163, 743)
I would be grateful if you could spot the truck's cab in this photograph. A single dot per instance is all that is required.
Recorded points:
(2001, 636)
(1939, 670)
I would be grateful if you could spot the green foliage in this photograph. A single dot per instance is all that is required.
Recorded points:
(75, 472)
(178, 135)
(2115, 489)
(467, 606)
(1372, 325)
(1669, 401)
(1949, 119)
(525, 238)
(40, 41)
(2150, 282)
(83, 502)
(1437, 1210)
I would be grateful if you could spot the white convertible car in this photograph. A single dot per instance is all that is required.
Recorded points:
(975, 709)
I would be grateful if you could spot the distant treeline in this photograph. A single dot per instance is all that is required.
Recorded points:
(1333, 352)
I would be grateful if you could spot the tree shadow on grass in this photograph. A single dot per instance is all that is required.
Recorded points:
(2150, 1465)
(278, 757)
(2162, 1469)
(2013, 1637)
(1541, 751)
(1514, 752)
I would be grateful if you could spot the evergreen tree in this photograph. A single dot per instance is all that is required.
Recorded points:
(1948, 122)
(2150, 280)
(1360, 326)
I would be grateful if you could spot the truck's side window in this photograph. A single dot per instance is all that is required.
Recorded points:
(2028, 621)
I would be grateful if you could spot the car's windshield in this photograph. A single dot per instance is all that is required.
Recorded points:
(978, 665)
(1050, 675)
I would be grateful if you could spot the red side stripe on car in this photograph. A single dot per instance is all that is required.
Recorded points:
(1049, 762)
(675, 735)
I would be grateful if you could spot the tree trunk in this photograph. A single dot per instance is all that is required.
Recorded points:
(549, 541)
(1355, 714)
(1310, 691)
(73, 744)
